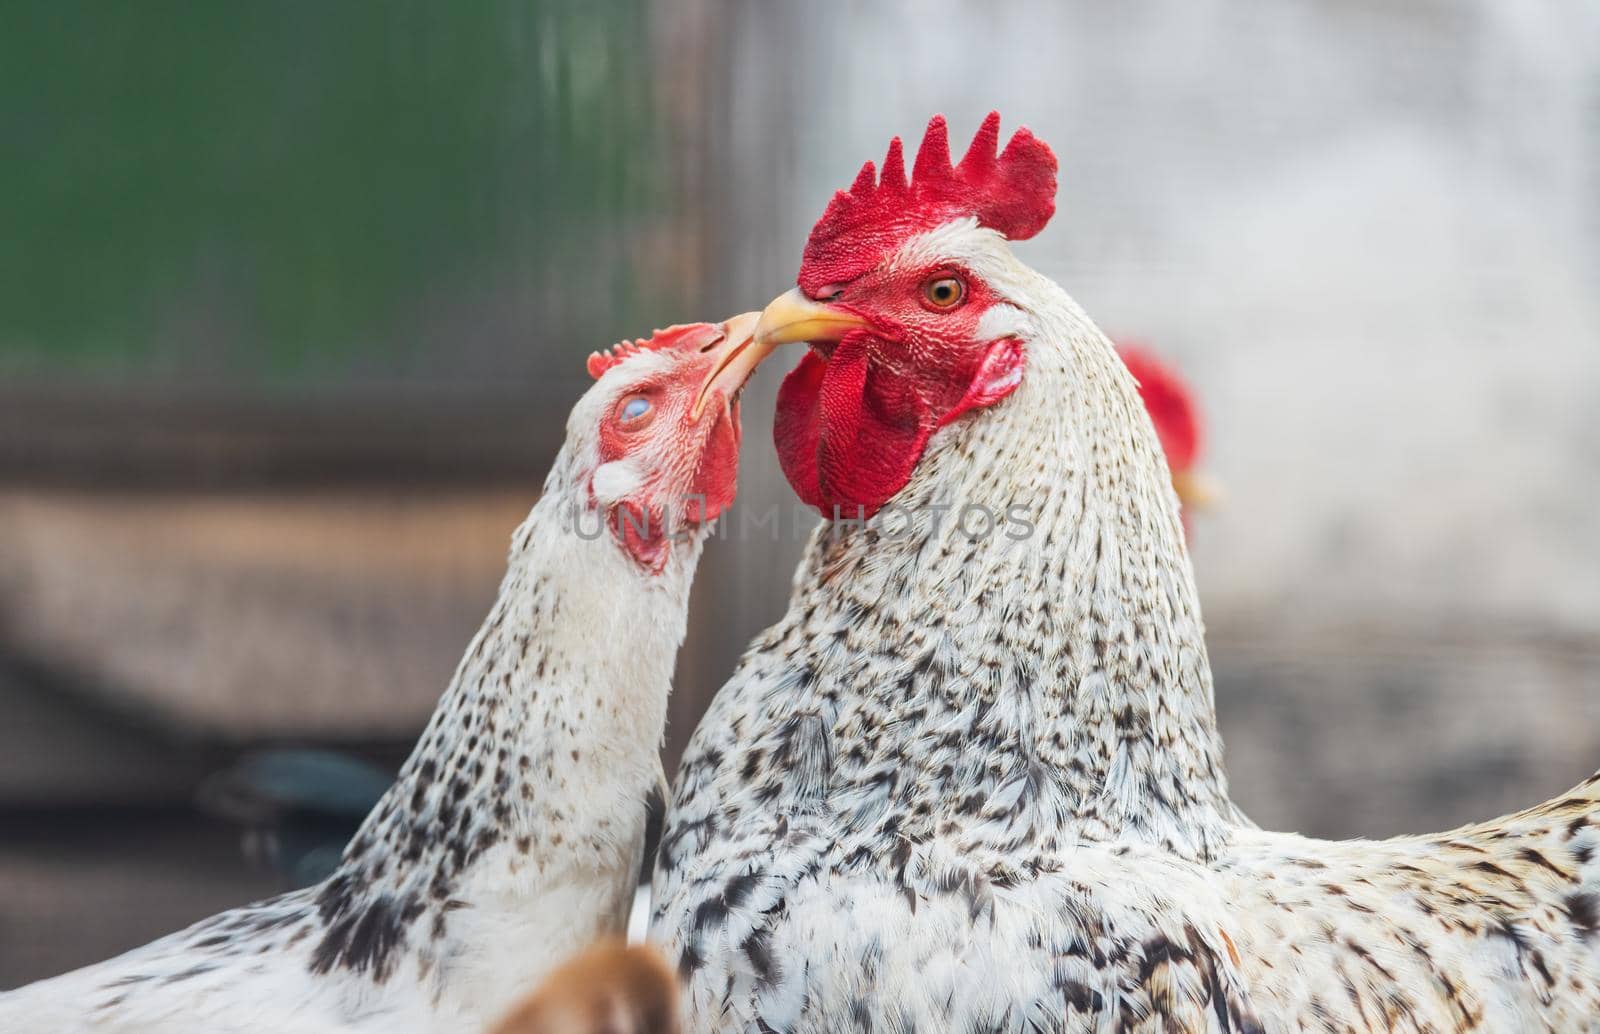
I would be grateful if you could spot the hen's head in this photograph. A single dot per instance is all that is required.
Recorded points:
(662, 428)
(904, 296)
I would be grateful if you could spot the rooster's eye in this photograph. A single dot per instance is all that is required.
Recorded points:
(634, 411)
(944, 292)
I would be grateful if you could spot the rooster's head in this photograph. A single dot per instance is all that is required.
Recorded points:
(908, 296)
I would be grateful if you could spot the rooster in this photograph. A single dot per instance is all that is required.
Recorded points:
(514, 833)
(973, 781)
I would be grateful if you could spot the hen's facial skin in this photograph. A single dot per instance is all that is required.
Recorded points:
(663, 424)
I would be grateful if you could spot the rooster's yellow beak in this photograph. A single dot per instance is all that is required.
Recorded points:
(793, 317)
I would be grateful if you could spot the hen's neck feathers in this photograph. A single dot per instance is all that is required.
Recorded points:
(1068, 668)
(535, 767)
(511, 839)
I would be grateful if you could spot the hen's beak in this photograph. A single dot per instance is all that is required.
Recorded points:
(751, 337)
(737, 354)
(1197, 490)
(793, 317)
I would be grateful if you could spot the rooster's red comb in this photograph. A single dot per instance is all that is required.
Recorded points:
(1012, 192)
(690, 335)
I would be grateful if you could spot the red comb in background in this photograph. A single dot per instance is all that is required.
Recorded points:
(1170, 401)
(696, 335)
(1012, 192)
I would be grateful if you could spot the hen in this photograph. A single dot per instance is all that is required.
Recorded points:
(513, 836)
(972, 780)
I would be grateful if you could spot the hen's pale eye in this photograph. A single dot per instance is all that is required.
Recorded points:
(944, 292)
(634, 410)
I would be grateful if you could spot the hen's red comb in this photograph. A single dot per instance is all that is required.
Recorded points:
(695, 335)
(1013, 192)
(1170, 402)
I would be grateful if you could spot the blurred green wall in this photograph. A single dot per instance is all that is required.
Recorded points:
(341, 193)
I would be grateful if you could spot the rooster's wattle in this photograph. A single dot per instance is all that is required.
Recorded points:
(972, 780)
(513, 835)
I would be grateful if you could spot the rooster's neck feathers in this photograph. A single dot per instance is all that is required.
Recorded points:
(942, 720)
(1042, 682)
